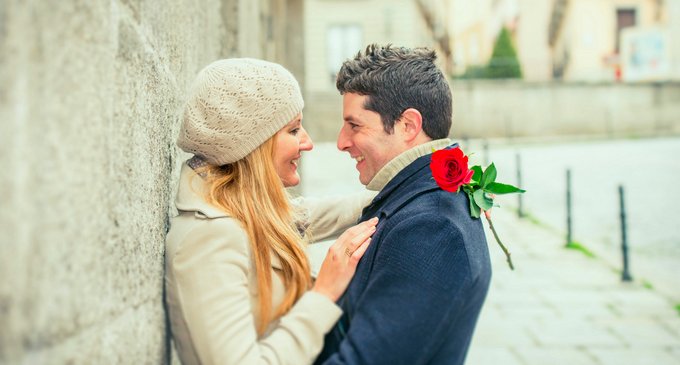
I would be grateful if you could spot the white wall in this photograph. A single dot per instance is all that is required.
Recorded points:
(516, 109)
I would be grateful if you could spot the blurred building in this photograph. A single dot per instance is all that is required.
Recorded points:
(609, 40)
(475, 26)
(673, 9)
(336, 30)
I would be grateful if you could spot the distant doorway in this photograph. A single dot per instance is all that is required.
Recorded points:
(624, 18)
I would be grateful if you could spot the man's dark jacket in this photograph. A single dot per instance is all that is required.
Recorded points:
(419, 288)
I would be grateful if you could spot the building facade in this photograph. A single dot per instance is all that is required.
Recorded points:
(599, 40)
(336, 30)
(476, 25)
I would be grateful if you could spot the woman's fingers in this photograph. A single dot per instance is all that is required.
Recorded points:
(340, 263)
(364, 225)
(358, 231)
(361, 237)
(359, 252)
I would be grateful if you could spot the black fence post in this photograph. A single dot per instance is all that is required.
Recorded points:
(625, 274)
(569, 237)
(518, 162)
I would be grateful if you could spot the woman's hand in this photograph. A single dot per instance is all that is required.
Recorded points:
(342, 258)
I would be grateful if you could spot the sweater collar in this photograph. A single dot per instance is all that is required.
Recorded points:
(394, 166)
(411, 181)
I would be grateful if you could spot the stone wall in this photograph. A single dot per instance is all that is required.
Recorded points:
(515, 109)
(90, 99)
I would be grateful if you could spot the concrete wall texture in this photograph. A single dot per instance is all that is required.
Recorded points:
(90, 104)
(516, 109)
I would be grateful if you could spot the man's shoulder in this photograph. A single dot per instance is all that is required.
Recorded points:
(433, 214)
(433, 203)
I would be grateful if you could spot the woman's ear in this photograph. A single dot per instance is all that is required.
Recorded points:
(411, 124)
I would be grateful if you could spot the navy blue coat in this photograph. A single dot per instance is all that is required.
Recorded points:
(420, 286)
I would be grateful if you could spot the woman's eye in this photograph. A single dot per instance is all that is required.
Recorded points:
(294, 131)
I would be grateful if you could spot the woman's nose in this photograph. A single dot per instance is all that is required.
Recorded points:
(306, 143)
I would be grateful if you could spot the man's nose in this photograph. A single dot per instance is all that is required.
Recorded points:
(306, 143)
(343, 141)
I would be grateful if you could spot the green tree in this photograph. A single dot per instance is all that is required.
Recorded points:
(504, 63)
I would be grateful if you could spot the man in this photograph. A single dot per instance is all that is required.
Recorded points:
(419, 288)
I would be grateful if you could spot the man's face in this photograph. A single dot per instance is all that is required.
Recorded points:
(363, 137)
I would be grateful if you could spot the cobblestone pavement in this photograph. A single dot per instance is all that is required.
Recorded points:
(560, 306)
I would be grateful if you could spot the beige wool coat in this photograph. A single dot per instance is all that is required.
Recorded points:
(211, 288)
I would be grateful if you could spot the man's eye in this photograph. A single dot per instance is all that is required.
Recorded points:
(352, 125)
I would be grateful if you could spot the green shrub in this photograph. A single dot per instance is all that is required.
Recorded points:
(503, 63)
(474, 72)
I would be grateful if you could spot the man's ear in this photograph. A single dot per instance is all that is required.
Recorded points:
(411, 124)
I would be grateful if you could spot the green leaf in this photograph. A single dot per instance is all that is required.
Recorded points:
(489, 175)
(498, 188)
(475, 211)
(477, 173)
(483, 200)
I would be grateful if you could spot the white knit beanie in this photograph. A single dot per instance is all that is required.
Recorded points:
(234, 106)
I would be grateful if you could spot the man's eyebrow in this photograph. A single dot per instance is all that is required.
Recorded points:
(350, 118)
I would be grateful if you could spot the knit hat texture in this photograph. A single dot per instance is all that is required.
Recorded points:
(234, 106)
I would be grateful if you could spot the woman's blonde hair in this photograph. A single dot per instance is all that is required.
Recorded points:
(252, 192)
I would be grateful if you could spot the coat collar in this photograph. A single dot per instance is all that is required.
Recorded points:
(192, 189)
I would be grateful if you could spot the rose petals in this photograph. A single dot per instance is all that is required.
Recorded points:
(450, 169)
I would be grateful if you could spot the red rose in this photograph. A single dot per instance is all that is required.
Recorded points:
(450, 169)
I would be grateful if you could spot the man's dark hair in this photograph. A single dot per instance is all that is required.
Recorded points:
(398, 78)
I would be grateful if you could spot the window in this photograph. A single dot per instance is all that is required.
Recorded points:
(342, 42)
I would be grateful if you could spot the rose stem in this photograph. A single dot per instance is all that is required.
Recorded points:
(505, 250)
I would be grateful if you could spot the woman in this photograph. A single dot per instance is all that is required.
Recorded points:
(238, 282)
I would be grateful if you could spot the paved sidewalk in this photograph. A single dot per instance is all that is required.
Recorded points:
(562, 307)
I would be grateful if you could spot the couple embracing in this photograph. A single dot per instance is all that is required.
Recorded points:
(407, 276)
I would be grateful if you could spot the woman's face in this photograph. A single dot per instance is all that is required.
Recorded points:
(291, 140)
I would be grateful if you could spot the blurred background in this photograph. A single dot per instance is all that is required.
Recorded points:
(577, 101)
